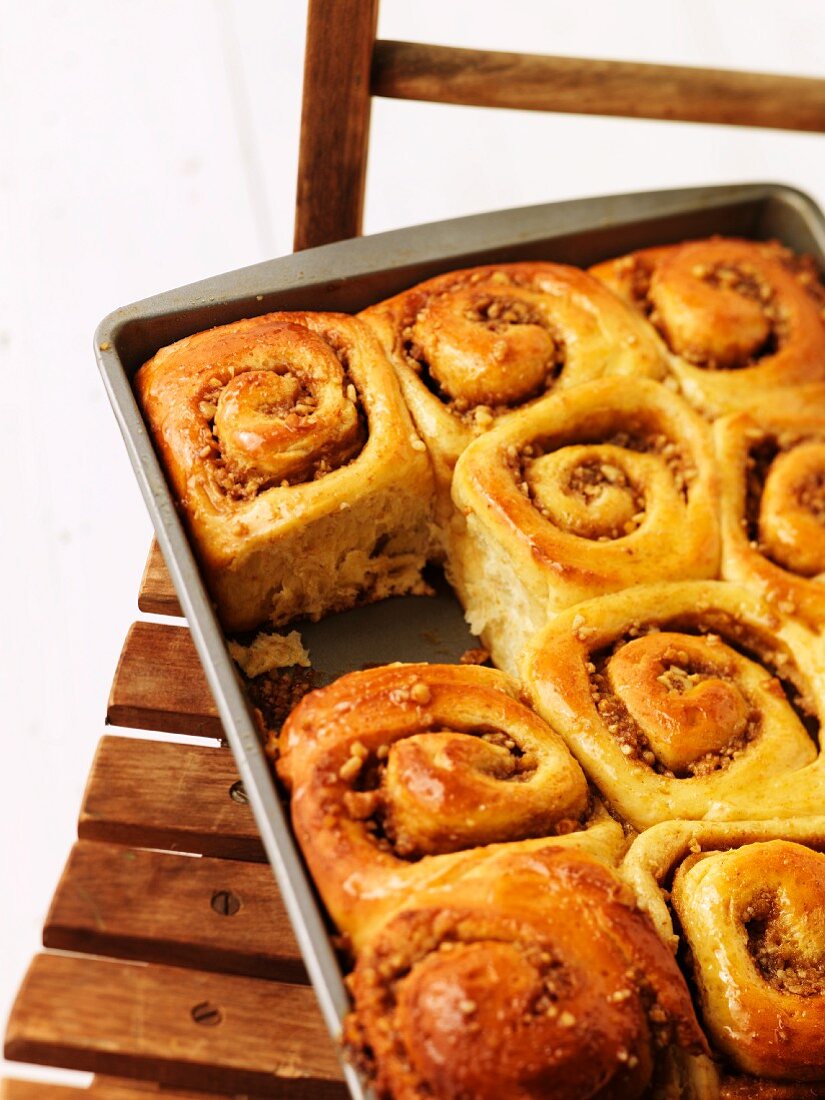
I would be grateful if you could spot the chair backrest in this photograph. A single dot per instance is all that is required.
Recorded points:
(345, 65)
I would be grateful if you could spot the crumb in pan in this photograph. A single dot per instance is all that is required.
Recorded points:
(269, 651)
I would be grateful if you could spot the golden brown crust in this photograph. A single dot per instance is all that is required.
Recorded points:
(751, 910)
(772, 468)
(680, 700)
(539, 978)
(472, 347)
(742, 320)
(578, 497)
(760, 908)
(451, 832)
(403, 776)
(286, 433)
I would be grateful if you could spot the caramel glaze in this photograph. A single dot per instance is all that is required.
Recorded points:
(472, 348)
(538, 978)
(255, 404)
(772, 467)
(403, 776)
(649, 462)
(754, 919)
(746, 900)
(742, 320)
(295, 463)
(668, 695)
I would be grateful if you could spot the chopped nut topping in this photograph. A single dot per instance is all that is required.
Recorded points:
(619, 996)
(474, 656)
(351, 768)
(420, 693)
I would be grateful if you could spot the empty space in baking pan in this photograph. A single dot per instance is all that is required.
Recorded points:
(348, 276)
(402, 628)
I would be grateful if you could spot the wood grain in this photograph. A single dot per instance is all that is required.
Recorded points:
(37, 1090)
(155, 794)
(531, 82)
(105, 1089)
(156, 595)
(217, 914)
(125, 1019)
(113, 1088)
(159, 684)
(118, 1088)
(334, 121)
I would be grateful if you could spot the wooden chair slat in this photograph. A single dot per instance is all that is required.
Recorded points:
(159, 684)
(178, 797)
(332, 163)
(115, 1085)
(182, 1028)
(156, 595)
(532, 82)
(216, 914)
(117, 1088)
(13, 1089)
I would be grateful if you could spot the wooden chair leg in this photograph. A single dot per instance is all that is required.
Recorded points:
(332, 165)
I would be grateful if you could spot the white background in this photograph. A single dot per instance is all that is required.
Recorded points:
(148, 144)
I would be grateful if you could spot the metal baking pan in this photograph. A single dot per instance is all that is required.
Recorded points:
(349, 276)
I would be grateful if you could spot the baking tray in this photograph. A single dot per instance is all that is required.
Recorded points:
(349, 276)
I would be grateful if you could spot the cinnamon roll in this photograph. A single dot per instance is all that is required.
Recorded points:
(304, 484)
(680, 700)
(595, 489)
(403, 776)
(750, 904)
(536, 978)
(471, 347)
(773, 509)
(742, 320)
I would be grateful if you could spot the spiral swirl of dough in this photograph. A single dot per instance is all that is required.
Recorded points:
(602, 492)
(295, 462)
(284, 409)
(472, 347)
(577, 497)
(773, 508)
(792, 517)
(691, 696)
(600, 466)
(748, 896)
(402, 773)
(737, 317)
(538, 978)
(273, 404)
(500, 335)
(669, 696)
(754, 919)
(486, 344)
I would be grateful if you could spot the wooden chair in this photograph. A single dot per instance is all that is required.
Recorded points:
(166, 972)
(345, 66)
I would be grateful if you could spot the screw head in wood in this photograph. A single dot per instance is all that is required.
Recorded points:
(225, 903)
(207, 1014)
(237, 792)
